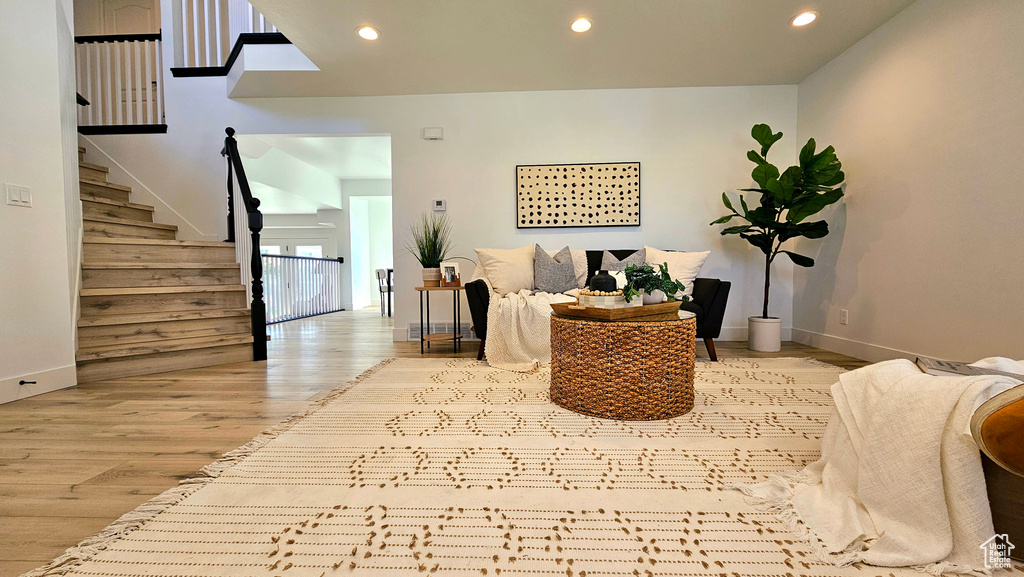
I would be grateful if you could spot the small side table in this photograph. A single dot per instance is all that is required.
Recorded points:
(425, 334)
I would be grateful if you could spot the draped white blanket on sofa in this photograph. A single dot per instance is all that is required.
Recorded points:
(899, 481)
(519, 328)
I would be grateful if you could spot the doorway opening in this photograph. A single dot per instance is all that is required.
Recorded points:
(326, 197)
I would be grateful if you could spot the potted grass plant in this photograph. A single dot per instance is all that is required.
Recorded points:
(787, 200)
(432, 242)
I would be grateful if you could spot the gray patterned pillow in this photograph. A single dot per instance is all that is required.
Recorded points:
(609, 262)
(553, 274)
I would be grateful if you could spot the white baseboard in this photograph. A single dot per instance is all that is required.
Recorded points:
(740, 334)
(850, 347)
(46, 381)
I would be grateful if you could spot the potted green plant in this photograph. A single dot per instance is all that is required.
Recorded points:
(786, 201)
(431, 244)
(654, 287)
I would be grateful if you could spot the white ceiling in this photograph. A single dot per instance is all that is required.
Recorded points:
(293, 174)
(344, 157)
(274, 200)
(444, 46)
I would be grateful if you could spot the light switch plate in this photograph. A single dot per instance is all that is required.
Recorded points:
(18, 195)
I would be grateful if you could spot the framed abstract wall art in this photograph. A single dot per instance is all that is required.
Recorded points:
(578, 195)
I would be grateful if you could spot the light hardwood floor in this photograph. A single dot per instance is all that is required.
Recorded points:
(72, 461)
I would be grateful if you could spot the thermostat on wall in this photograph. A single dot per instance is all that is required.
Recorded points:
(433, 133)
(440, 206)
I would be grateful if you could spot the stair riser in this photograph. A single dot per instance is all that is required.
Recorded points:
(149, 332)
(103, 369)
(105, 210)
(92, 174)
(111, 230)
(146, 253)
(111, 278)
(129, 304)
(104, 192)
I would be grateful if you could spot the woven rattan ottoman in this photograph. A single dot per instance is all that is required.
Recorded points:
(626, 370)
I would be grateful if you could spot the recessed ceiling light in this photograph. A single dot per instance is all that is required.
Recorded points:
(368, 32)
(804, 18)
(581, 25)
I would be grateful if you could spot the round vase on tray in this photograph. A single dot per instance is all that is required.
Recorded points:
(432, 276)
(764, 334)
(602, 281)
(653, 298)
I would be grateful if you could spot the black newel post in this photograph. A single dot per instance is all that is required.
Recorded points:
(259, 307)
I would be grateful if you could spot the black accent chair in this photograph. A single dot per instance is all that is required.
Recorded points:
(710, 296)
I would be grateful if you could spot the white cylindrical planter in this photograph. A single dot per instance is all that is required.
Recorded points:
(653, 298)
(764, 334)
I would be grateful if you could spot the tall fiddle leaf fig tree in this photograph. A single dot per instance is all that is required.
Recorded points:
(786, 201)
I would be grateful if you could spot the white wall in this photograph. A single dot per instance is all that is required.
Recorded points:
(359, 228)
(691, 143)
(926, 114)
(381, 240)
(372, 246)
(36, 132)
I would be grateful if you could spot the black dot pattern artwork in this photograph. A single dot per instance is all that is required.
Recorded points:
(574, 195)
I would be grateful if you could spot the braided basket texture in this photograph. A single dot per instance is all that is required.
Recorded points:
(631, 371)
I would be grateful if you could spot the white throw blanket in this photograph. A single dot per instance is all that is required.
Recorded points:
(899, 482)
(519, 328)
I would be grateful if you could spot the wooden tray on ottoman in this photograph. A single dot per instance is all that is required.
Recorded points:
(659, 312)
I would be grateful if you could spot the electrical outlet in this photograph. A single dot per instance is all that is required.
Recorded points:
(844, 317)
(19, 195)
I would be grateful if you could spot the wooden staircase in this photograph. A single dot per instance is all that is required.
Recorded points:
(149, 302)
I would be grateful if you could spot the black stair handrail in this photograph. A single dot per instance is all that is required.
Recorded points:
(258, 308)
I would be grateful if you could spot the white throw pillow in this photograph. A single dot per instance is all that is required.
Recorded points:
(682, 266)
(579, 264)
(508, 270)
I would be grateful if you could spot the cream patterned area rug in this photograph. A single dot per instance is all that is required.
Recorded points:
(451, 467)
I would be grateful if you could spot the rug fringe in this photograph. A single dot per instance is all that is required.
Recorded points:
(125, 524)
(775, 495)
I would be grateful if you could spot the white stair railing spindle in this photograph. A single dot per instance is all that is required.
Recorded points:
(94, 84)
(115, 48)
(159, 88)
(129, 84)
(150, 117)
(141, 89)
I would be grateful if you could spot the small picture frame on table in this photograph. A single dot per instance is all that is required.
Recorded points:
(450, 274)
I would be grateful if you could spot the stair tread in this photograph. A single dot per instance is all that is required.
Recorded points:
(167, 345)
(106, 184)
(149, 290)
(93, 166)
(100, 200)
(166, 316)
(153, 241)
(129, 222)
(158, 265)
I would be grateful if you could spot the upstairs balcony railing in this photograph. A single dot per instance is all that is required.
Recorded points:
(300, 287)
(121, 78)
(205, 31)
